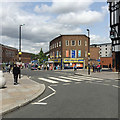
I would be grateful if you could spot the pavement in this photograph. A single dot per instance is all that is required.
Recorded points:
(13, 96)
(105, 74)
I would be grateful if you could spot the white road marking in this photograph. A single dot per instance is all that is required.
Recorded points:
(69, 78)
(53, 85)
(77, 82)
(40, 101)
(37, 103)
(116, 86)
(54, 78)
(66, 84)
(48, 80)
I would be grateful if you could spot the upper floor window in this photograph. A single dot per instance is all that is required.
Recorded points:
(85, 43)
(73, 43)
(79, 42)
(59, 43)
(67, 43)
(55, 45)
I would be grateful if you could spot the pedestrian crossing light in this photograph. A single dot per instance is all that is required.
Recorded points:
(20, 53)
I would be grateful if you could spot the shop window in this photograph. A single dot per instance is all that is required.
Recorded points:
(67, 43)
(73, 43)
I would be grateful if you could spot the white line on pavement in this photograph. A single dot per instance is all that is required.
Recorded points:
(37, 103)
(48, 95)
(116, 86)
(48, 80)
(66, 84)
(70, 78)
(54, 78)
(77, 82)
(53, 85)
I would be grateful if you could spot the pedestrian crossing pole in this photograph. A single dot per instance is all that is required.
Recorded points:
(88, 51)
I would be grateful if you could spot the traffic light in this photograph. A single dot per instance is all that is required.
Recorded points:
(112, 34)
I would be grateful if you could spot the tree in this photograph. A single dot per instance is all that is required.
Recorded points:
(42, 57)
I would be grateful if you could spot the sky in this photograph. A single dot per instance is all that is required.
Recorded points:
(46, 20)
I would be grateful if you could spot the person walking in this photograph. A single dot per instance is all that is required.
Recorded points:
(16, 72)
(93, 67)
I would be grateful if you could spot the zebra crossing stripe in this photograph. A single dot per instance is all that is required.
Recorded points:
(48, 80)
(70, 78)
(54, 78)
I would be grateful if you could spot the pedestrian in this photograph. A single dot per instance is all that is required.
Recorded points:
(75, 68)
(16, 72)
(93, 67)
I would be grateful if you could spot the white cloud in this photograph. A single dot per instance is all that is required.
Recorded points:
(96, 39)
(40, 29)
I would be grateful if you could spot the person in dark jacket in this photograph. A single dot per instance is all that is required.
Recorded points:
(16, 72)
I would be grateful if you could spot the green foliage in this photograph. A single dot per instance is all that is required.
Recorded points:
(40, 57)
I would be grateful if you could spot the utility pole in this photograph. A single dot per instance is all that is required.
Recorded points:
(88, 51)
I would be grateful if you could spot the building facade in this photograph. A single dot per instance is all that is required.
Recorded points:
(114, 8)
(105, 49)
(69, 50)
(10, 55)
(94, 55)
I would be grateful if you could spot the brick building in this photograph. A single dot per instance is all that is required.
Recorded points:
(94, 55)
(68, 50)
(106, 62)
(10, 55)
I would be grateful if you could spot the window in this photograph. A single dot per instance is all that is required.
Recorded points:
(67, 53)
(67, 43)
(106, 45)
(85, 53)
(73, 43)
(57, 54)
(73, 53)
(59, 43)
(106, 52)
(79, 42)
(106, 48)
(55, 45)
(85, 43)
(79, 53)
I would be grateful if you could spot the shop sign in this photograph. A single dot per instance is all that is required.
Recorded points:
(56, 60)
(73, 60)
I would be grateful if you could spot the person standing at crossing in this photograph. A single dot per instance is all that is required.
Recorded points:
(16, 72)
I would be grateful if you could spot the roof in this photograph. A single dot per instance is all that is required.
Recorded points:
(68, 35)
(100, 44)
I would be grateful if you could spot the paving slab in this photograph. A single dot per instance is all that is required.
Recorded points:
(15, 96)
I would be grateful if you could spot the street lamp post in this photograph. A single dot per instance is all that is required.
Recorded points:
(88, 51)
(20, 53)
(20, 42)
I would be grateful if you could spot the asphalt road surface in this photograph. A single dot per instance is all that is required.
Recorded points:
(70, 96)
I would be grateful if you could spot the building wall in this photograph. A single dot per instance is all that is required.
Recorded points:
(94, 55)
(9, 54)
(105, 50)
(64, 49)
(106, 61)
(26, 57)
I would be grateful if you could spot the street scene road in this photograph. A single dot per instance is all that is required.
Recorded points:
(68, 95)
